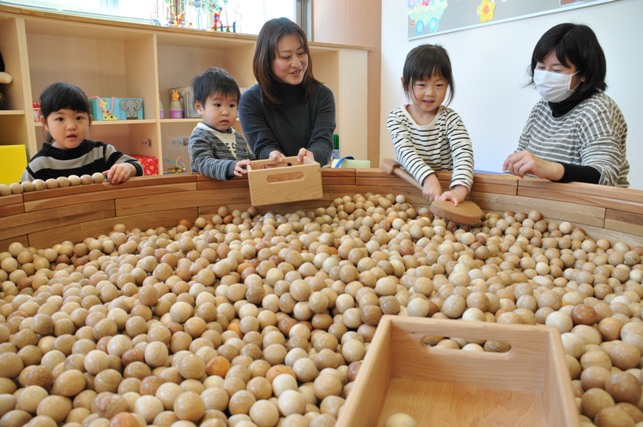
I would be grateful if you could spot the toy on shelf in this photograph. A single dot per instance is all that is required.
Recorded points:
(176, 107)
(178, 168)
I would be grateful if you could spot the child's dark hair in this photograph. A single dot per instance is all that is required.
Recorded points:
(59, 96)
(425, 61)
(577, 44)
(214, 81)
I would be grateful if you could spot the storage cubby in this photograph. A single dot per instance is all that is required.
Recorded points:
(117, 59)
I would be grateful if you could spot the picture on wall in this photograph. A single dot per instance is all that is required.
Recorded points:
(431, 17)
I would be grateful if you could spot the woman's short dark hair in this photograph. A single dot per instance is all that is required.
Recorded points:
(425, 61)
(576, 44)
(265, 50)
(61, 95)
(214, 81)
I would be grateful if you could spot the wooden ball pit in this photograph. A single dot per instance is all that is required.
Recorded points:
(43, 219)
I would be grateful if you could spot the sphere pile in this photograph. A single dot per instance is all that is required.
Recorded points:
(251, 319)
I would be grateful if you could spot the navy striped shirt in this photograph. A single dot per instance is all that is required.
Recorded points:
(89, 157)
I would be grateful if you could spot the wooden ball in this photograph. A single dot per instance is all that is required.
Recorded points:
(98, 178)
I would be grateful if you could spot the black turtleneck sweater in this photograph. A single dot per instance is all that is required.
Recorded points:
(297, 122)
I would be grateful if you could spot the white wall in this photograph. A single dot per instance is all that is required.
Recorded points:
(490, 71)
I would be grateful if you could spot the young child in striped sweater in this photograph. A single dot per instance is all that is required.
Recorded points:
(66, 119)
(427, 135)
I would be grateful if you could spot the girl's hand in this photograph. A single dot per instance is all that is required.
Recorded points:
(119, 173)
(457, 195)
(276, 156)
(305, 153)
(523, 162)
(240, 168)
(431, 189)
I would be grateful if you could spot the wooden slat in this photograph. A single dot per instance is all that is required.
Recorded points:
(626, 222)
(162, 202)
(139, 181)
(74, 215)
(4, 244)
(600, 198)
(111, 193)
(78, 232)
(491, 183)
(339, 176)
(604, 191)
(552, 210)
(205, 183)
(613, 234)
(11, 205)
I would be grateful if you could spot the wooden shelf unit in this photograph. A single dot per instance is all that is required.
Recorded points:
(111, 58)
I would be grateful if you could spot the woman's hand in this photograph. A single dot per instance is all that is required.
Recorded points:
(120, 172)
(276, 156)
(241, 167)
(457, 195)
(431, 189)
(523, 162)
(305, 153)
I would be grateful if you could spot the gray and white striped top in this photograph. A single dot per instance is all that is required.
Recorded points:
(592, 134)
(425, 149)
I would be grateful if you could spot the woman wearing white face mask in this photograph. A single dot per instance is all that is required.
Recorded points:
(576, 132)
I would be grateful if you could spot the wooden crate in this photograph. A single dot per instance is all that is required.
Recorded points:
(289, 181)
(527, 386)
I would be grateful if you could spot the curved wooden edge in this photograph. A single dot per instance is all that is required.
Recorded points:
(45, 218)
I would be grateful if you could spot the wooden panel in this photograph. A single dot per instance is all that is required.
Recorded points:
(78, 232)
(162, 202)
(205, 183)
(499, 184)
(627, 222)
(105, 192)
(613, 234)
(4, 244)
(353, 22)
(11, 205)
(332, 176)
(604, 191)
(552, 210)
(585, 194)
(74, 215)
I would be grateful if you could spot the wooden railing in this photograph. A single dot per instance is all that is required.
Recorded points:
(44, 218)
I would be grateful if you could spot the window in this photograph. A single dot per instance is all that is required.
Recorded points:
(240, 16)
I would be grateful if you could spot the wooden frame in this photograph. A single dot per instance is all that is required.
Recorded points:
(44, 218)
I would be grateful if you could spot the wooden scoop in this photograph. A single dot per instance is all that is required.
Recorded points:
(467, 212)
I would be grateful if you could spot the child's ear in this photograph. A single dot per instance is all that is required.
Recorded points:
(198, 107)
(43, 122)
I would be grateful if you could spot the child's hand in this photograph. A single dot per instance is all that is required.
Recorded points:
(276, 156)
(240, 168)
(119, 173)
(457, 195)
(431, 188)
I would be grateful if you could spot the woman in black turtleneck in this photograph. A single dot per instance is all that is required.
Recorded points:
(287, 112)
(576, 132)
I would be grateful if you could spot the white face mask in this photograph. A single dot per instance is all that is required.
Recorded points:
(553, 87)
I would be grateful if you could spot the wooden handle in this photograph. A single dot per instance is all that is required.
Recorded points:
(391, 166)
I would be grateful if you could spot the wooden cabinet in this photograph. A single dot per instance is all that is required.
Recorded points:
(109, 58)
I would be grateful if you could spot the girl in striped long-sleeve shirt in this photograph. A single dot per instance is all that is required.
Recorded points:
(428, 136)
(576, 132)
